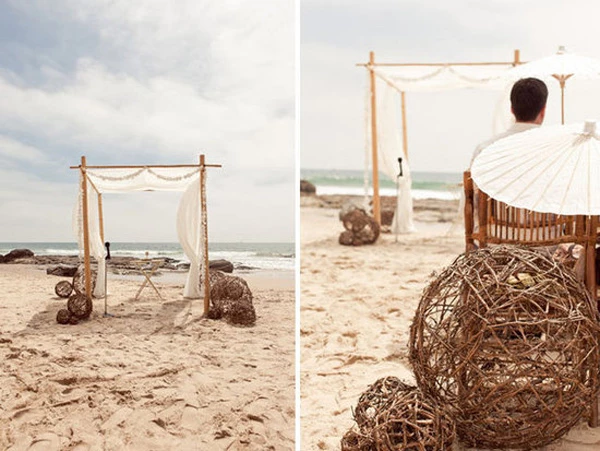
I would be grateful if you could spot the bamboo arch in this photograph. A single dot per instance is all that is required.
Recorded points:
(370, 66)
(83, 167)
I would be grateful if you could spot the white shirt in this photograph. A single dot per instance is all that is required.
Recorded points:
(517, 127)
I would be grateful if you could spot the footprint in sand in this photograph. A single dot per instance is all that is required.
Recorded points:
(45, 442)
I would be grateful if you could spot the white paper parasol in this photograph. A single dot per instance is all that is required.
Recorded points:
(553, 169)
(561, 66)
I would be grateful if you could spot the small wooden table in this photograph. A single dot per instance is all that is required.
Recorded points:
(147, 268)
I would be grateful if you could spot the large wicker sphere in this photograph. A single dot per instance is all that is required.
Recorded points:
(79, 279)
(508, 339)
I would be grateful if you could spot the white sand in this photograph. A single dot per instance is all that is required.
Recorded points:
(152, 377)
(357, 304)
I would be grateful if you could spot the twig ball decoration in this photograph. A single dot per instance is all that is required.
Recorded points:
(80, 306)
(63, 316)
(79, 279)
(360, 228)
(374, 398)
(355, 441)
(231, 299)
(508, 340)
(63, 289)
(409, 421)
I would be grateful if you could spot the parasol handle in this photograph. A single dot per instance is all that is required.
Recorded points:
(400, 164)
(107, 245)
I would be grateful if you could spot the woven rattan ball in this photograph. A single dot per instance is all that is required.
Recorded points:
(63, 316)
(80, 306)
(508, 339)
(63, 289)
(79, 279)
(374, 398)
(408, 421)
(360, 228)
(355, 441)
(229, 287)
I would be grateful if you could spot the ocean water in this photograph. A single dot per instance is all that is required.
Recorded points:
(425, 185)
(261, 256)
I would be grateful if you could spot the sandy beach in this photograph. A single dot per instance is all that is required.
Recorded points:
(357, 304)
(151, 376)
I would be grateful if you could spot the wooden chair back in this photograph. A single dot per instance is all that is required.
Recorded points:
(489, 221)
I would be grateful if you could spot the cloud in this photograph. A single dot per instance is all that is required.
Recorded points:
(152, 83)
(443, 128)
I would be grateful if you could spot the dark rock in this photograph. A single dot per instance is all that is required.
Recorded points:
(16, 254)
(387, 216)
(62, 270)
(307, 188)
(221, 265)
(183, 266)
(244, 268)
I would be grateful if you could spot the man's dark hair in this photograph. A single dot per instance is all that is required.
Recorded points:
(528, 97)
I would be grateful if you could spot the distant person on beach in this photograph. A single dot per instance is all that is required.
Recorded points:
(528, 98)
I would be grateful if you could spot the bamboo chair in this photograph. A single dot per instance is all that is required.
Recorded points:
(500, 223)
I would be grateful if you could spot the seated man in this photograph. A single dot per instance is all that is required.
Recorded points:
(528, 98)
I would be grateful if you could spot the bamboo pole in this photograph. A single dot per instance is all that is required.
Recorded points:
(101, 217)
(151, 166)
(404, 128)
(517, 60)
(496, 63)
(561, 80)
(376, 204)
(204, 231)
(86, 230)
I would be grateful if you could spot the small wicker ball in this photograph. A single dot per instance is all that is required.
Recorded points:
(507, 338)
(409, 421)
(63, 289)
(374, 398)
(80, 306)
(360, 228)
(355, 441)
(63, 316)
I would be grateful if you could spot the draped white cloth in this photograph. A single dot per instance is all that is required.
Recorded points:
(97, 249)
(390, 149)
(443, 78)
(191, 239)
(122, 180)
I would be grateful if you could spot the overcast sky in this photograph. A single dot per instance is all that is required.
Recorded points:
(443, 128)
(153, 82)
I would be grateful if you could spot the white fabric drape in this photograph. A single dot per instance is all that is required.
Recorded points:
(390, 149)
(443, 78)
(96, 244)
(122, 180)
(191, 237)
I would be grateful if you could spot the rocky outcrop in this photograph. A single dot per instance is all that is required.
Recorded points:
(307, 188)
(16, 254)
(62, 270)
(220, 265)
